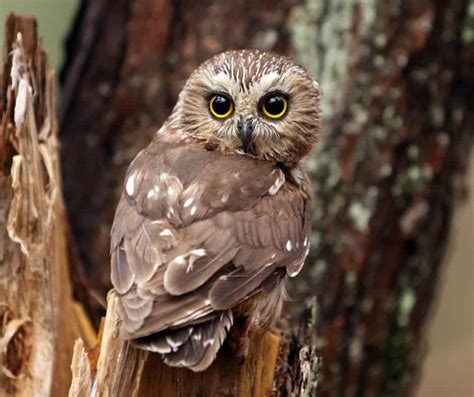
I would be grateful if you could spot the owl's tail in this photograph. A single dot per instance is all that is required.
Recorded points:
(193, 346)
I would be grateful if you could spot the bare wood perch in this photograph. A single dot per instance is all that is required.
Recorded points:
(124, 371)
(285, 366)
(39, 319)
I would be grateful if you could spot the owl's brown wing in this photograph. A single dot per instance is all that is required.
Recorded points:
(195, 234)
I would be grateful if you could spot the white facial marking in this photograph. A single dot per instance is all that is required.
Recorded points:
(188, 202)
(289, 245)
(208, 342)
(170, 190)
(305, 242)
(193, 210)
(197, 336)
(130, 185)
(266, 82)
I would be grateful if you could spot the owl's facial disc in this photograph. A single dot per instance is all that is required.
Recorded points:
(245, 118)
(253, 103)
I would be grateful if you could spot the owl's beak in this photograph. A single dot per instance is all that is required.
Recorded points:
(245, 131)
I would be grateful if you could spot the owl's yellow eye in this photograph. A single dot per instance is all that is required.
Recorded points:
(274, 106)
(221, 106)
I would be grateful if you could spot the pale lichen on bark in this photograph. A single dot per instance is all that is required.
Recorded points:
(393, 114)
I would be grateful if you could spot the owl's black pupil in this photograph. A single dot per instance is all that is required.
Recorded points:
(221, 104)
(275, 104)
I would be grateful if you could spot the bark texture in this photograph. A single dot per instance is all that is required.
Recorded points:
(395, 76)
(398, 133)
(39, 320)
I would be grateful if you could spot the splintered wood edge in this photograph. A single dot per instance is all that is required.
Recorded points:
(35, 221)
(81, 384)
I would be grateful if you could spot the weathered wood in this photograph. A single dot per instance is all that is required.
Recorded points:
(124, 371)
(39, 319)
(298, 365)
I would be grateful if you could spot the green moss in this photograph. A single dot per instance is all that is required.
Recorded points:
(413, 152)
(326, 163)
(336, 204)
(318, 269)
(467, 35)
(361, 211)
(410, 182)
(351, 278)
(360, 216)
(406, 305)
(396, 343)
(380, 40)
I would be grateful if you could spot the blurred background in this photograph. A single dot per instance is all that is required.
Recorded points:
(392, 247)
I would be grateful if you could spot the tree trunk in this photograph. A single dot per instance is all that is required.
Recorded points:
(396, 124)
(398, 132)
(39, 320)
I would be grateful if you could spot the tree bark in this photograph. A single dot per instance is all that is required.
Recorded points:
(396, 103)
(398, 134)
(39, 320)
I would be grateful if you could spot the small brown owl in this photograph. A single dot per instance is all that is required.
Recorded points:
(215, 212)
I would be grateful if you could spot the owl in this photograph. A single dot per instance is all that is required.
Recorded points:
(215, 213)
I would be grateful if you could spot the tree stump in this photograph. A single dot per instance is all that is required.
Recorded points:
(39, 319)
(118, 369)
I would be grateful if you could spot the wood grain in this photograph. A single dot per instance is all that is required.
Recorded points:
(123, 370)
(39, 319)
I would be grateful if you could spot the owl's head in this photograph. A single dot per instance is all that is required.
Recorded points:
(254, 103)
